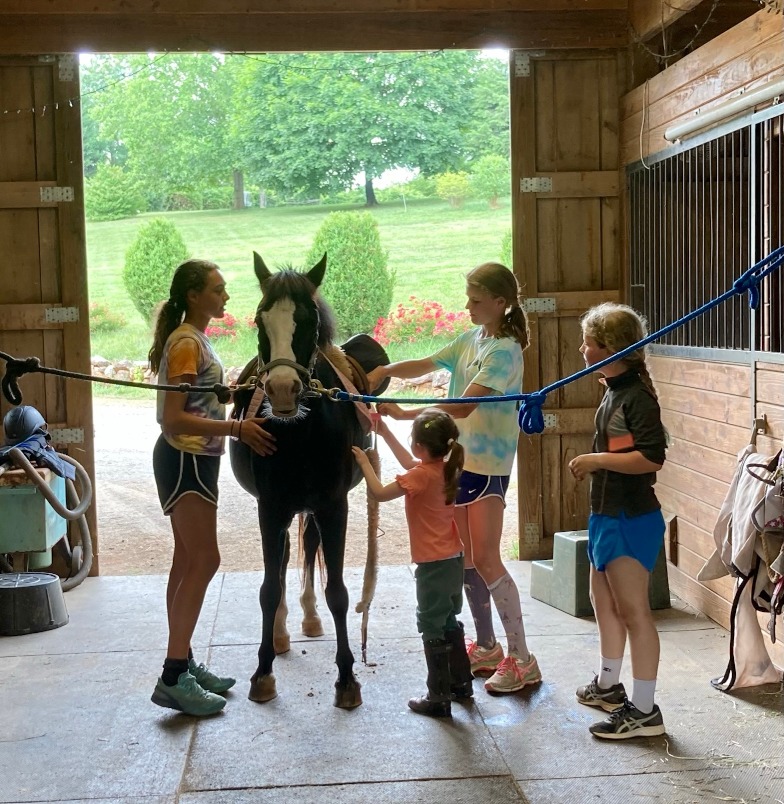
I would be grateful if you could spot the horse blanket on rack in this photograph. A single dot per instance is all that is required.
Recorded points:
(755, 559)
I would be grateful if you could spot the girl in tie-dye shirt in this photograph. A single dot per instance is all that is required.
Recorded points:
(486, 361)
(186, 460)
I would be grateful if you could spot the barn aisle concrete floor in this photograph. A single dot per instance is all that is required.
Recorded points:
(78, 725)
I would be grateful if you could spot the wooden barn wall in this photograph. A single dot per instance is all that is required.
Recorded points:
(708, 406)
(707, 410)
(743, 58)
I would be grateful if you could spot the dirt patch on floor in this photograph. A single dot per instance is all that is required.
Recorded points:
(134, 538)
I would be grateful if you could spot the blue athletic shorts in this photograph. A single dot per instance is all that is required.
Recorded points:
(474, 487)
(610, 537)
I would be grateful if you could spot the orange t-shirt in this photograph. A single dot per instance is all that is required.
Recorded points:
(432, 529)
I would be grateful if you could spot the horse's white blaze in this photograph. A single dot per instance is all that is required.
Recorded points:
(283, 382)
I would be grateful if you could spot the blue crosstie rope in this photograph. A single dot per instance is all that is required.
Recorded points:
(530, 417)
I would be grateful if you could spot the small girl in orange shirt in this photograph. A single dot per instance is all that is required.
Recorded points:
(430, 486)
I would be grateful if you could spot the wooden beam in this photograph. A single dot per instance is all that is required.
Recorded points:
(24, 194)
(26, 317)
(649, 17)
(250, 7)
(277, 32)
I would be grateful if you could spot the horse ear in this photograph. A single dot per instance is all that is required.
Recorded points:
(261, 270)
(316, 273)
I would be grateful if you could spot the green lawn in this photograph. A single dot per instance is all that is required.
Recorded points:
(431, 246)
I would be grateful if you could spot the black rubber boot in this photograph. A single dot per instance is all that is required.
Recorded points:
(461, 678)
(437, 702)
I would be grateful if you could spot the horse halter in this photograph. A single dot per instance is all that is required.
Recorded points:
(305, 373)
(283, 361)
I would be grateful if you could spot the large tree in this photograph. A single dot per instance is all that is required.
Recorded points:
(98, 75)
(170, 113)
(310, 123)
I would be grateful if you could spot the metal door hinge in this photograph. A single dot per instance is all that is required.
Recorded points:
(538, 184)
(539, 305)
(522, 62)
(68, 67)
(531, 530)
(54, 195)
(67, 435)
(61, 315)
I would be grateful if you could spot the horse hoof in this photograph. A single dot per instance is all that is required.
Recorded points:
(348, 695)
(312, 627)
(262, 688)
(281, 644)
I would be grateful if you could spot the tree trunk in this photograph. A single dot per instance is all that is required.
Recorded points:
(370, 196)
(239, 190)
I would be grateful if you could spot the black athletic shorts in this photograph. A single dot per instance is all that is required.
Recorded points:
(178, 473)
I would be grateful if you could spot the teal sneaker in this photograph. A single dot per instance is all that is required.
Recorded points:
(187, 696)
(208, 680)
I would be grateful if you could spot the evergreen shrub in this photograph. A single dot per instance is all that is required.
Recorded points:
(506, 249)
(357, 285)
(111, 194)
(150, 263)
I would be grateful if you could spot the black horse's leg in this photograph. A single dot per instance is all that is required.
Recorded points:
(281, 638)
(332, 524)
(273, 543)
(311, 622)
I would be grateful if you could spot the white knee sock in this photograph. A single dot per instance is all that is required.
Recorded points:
(642, 695)
(507, 602)
(609, 672)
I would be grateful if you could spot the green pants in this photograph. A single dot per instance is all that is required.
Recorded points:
(439, 589)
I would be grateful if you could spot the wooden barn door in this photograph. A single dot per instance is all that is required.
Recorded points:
(43, 276)
(567, 256)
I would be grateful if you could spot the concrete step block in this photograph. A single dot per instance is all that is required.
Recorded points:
(564, 582)
(541, 580)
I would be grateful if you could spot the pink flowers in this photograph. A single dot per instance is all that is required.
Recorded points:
(419, 320)
(223, 327)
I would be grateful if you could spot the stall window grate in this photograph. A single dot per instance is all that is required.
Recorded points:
(770, 200)
(689, 238)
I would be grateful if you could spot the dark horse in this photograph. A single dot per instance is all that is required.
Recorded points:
(312, 470)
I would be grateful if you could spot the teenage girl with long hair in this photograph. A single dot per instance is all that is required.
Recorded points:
(430, 485)
(626, 527)
(485, 361)
(186, 461)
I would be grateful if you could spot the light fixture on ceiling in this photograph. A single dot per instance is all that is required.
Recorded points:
(725, 110)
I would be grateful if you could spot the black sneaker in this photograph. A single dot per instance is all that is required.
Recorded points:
(608, 699)
(628, 721)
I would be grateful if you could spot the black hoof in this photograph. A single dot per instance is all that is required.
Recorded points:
(348, 695)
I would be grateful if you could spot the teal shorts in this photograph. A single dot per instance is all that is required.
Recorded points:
(610, 537)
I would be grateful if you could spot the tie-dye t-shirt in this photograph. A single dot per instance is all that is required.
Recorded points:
(489, 434)
(188, 351)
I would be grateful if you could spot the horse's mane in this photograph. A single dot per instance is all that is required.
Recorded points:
(295, 285)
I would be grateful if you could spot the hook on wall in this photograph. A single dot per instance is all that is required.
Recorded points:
(758, 427)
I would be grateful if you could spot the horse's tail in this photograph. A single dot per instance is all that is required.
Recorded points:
(371, 562)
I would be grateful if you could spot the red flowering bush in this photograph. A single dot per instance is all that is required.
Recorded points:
(104, 319)
(419, 320)
(222, 327)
